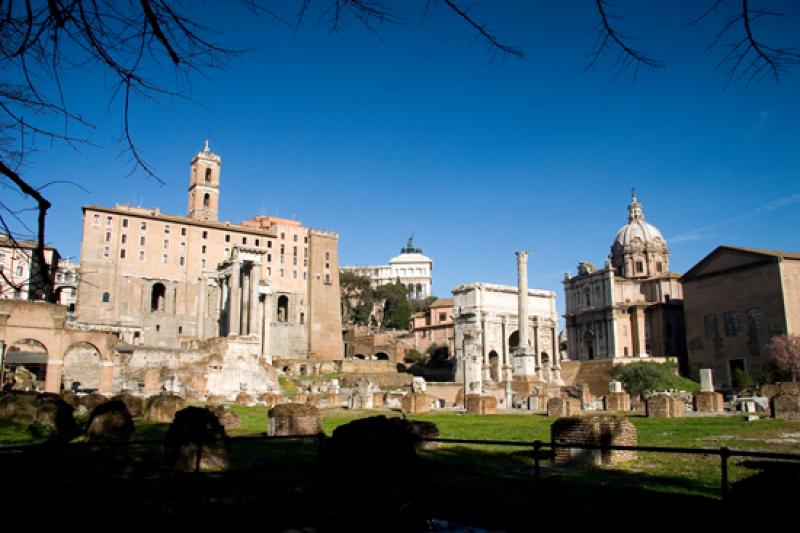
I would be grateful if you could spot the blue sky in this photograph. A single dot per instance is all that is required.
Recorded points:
(423, 131)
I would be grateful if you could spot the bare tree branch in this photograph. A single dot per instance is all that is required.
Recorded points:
(609, 37)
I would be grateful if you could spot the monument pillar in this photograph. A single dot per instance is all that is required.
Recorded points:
(253, 326)
(524, 361)
(235, 304)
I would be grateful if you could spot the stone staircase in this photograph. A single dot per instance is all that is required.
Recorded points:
(596, 374)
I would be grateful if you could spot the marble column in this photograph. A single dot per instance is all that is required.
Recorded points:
(524, 361)
(202, 295)
(522, 301)
(235, 302)
(254, 297)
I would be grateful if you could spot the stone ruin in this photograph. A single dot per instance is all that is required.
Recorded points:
(607, 430)
(478, 404)
(708, 401)
(48, 415)
(162, 408)
(110, 422)
(374, 448)
(362, 395)
(786, 407)
(563, 407)
(664, 405)
(294, 419)
(616, 399)
(196, 441)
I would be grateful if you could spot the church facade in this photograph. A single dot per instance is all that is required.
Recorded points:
(162, 280)
(633, 306)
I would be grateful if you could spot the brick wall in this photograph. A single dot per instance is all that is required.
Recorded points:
(618, 401)
(664, 406)
(708, 402)
(598, 429)
(561, 407)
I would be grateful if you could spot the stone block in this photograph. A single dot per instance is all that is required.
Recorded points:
(378, 399)
(135, 404)
(110, 422)
(415, 403)
(480, 405)
(706, 382)
(664, 406)
(563, 407)
(300, 398)
(598, 430)
(196, 440)
(271, 399)
(708, 402)
(786, 407)
(291, 419)
(617, 401)
(244, 399)
(162, 408)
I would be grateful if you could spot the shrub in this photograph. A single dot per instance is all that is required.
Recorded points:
(644, 377)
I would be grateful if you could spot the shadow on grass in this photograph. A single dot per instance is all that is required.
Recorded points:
(273, 484)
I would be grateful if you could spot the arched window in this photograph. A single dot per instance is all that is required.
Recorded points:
(208, 175)
(206, 200)
(106, 297)
(157, 297)
(283, 308)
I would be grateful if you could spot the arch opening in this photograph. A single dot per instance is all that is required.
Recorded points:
(25, 366)
(382, 356)
(494, 366)
(82, 366)
(158, 298)
(283, 308)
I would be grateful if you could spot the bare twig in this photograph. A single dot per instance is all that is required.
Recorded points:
(628, 57)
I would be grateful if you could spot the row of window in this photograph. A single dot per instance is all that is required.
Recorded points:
(204, 234)
(732, 322)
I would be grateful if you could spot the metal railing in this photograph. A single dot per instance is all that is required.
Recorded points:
(538, 447)
(724, 453)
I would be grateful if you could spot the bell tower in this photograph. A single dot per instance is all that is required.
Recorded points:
(204, 186)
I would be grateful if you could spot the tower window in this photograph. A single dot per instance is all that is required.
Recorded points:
(206, 200)
(183, 232)
(124, 222)
(96, 220)
(203, 249)
(106, 297)
(205, 233)
(124, 238)
(208, 175)
(639, 267)
(166, 229)
(141, 256)
(122, 254)
(141, 240)
(258, 242)
(227, 237)
(143, 225)
(244, 240)
(283, 235)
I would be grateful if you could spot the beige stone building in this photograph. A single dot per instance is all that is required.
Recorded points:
(18, 277)
(435, 326)
(166, 281)
(633, 306)
(735, 300)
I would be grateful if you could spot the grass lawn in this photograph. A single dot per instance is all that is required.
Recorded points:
(466, 483)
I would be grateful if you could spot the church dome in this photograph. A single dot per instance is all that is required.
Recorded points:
(637, 228)
(639, 249)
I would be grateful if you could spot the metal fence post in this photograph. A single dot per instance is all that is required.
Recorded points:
(537, 446)
(724, 454)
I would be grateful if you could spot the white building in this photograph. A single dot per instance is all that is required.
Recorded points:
(411, 267)
(487, 329)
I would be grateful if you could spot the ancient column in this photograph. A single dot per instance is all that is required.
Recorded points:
(522, 300)
(235, 303)
(254, 298)
(524, 361)
(202, 294)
